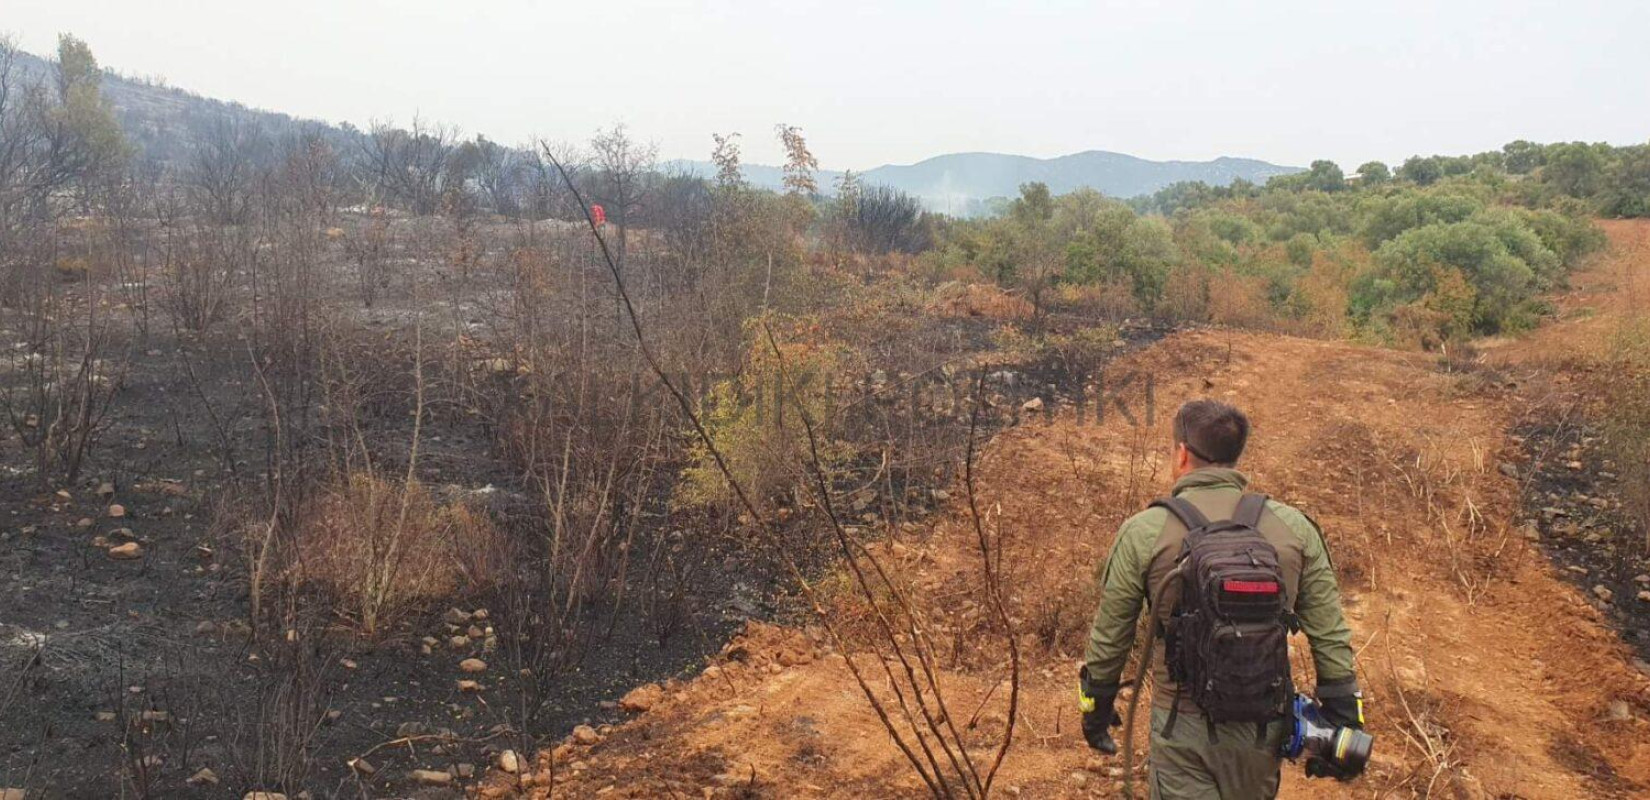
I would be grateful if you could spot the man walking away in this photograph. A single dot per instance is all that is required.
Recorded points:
(1223, 606)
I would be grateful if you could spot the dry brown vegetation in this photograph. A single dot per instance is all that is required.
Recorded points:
(379, 411)
(384, 548)
(1451, 608)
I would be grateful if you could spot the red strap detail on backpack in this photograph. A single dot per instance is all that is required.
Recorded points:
(1250, 587)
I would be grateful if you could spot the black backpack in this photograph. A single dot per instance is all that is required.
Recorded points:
(1227, 640)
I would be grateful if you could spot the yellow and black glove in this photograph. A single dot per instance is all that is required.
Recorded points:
(1097, 701)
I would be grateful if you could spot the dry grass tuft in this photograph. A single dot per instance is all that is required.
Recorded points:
(954, 299)
(382, 547)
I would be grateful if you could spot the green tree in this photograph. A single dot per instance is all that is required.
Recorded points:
(1387, 217)
(1494, 257)
(1034, 205)
(1374, 173)
(1325, 176)
(85, 114)
(1574, 168)
(1422, 171)
(1523, 157)
(1627, 184)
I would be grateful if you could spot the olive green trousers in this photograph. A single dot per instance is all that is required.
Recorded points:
(1189, 765)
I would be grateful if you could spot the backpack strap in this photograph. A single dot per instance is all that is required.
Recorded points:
(1188, 514)
(1249, 509)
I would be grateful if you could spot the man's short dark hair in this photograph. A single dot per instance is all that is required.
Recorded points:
(1213, 431)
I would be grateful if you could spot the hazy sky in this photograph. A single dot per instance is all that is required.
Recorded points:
(896, 82)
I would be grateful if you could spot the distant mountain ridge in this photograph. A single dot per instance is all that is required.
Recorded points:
(959, 182)
(167, 124)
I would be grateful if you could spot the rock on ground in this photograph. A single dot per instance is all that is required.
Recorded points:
(430, 777)
(642, 698)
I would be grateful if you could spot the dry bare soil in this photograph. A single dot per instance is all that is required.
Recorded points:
(1488, 673)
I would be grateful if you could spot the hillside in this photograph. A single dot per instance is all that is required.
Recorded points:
(166, 124)
(962, 183)
(952, 182)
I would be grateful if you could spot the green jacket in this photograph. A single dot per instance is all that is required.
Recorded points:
(1146, 548)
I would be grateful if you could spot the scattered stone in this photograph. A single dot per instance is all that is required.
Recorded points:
(1644, 596)
(1644, 579)
(1079, 779)
(479, 614)
(465, 771)
(105, 490)
(472, 665)
(458, 642)
(1618, 711)
(11, 794)
(347, 663)
(1603, 593)
(474, 632)
(362, 766)
(642, 698)
(586, 735)
(509, 762)
(156, 716)
(411, 728)
(126, 552)
(255, 795)
(469, 686)
(1034, 404)
(1531, 532)
(455, 617)
(105, 716)
(1573, 464)
(205, 777)
(84, 523)
(206, 627)
(1509, 469)
(116, 510)
(430, 777)
(742, 775)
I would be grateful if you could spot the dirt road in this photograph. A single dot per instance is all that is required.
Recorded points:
(1487, 674)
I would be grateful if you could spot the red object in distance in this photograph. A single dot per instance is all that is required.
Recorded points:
(598, 214)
